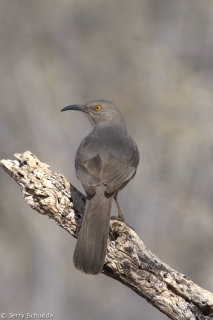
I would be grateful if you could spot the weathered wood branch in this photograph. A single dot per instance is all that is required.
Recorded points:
(128, 260)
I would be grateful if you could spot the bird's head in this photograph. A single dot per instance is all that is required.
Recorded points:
(99, 112)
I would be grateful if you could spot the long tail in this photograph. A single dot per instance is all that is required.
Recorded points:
(90, 250)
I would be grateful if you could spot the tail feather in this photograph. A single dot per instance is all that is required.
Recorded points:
(91, 245)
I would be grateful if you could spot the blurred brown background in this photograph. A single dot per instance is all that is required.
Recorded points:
(154, 60)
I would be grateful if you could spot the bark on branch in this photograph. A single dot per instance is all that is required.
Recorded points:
(128, 260)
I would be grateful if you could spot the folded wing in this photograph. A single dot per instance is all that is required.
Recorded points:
(114, 173)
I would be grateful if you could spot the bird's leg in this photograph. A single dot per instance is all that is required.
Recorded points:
(120, 214)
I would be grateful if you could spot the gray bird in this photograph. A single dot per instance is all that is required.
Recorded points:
(105, 162)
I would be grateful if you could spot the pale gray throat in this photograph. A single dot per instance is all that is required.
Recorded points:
(90, 120)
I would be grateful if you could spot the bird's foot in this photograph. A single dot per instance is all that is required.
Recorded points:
(120, 216)
(117, 218)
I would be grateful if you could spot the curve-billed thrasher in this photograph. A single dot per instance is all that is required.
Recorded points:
(105, 162)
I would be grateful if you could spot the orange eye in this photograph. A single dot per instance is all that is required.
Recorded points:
(97, 108)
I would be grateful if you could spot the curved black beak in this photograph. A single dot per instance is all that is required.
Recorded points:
(78, 107)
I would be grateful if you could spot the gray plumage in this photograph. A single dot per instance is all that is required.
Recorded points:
(105, 162)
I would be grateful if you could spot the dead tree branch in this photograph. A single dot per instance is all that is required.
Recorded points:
(128, 260)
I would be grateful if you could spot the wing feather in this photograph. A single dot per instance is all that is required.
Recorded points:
(88, 173)
(116, 172)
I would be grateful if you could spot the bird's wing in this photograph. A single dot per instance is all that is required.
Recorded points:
(116, 172)
(88, 172)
